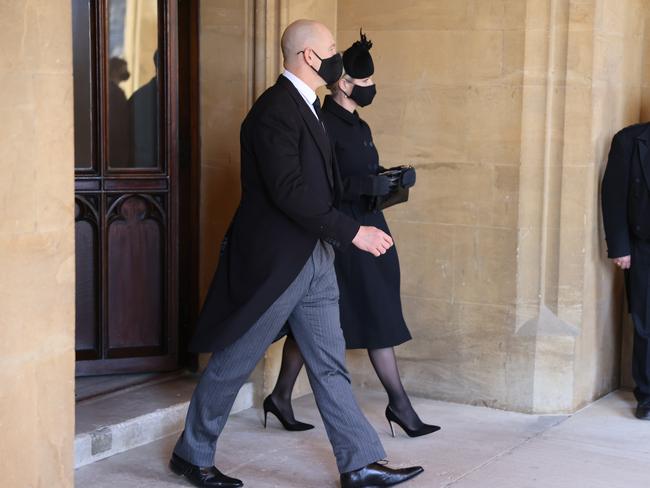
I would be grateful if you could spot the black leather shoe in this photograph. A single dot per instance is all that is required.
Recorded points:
(377, 475)
(643, 413)
(209, 477)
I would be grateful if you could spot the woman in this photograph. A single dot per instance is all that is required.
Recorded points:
(371, 309)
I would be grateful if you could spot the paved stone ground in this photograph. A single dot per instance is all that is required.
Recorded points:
(601, 446)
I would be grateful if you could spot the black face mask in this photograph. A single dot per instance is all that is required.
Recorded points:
(330, 69)
(363, 95)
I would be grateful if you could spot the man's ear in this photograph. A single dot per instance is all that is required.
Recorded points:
(308, 55)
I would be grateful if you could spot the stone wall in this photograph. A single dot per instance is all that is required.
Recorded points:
(225, 95)
(617, 79)
(36, 244)
(507, 109)
(645, 110)
(449, 101)
(225, 92)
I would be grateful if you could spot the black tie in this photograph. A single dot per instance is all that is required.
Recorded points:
(316, 105)
(319, 112)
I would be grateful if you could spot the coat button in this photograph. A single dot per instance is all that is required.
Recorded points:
(638, 227)
(365, 143)
(638, 180)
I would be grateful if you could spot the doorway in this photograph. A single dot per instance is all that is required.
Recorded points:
(136, 183)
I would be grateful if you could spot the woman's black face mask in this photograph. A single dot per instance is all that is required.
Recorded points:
(330, 69)
(363, 95)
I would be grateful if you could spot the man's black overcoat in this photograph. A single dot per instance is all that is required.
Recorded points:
(626, 214)
(290, 186)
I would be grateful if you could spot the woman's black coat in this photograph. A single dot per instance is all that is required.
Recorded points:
(370, 303)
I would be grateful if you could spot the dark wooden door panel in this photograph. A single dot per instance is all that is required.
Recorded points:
(88, 329)
(127, 197)
(136, 323)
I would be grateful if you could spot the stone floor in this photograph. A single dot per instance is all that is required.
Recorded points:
(601, 446)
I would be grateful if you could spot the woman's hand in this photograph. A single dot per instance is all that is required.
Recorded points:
(408, 178)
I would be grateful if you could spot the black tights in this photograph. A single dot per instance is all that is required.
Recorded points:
(383, 361)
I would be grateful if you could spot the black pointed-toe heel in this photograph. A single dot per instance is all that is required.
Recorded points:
(424, 430)
(269, 406)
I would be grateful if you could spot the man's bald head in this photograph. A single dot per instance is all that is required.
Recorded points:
(305, 43)
(303, 34)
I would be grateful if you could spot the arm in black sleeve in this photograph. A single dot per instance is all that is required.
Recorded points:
(371, 185)
(276, 143)
(352, 188)
(614, 195)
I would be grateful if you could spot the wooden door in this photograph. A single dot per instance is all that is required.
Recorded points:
(126, 85)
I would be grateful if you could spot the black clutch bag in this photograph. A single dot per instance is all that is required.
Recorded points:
(402, 178)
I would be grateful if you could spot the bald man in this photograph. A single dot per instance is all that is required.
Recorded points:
(277, 266)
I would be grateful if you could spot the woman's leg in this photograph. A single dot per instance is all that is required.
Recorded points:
(385, 364)
(292, 362)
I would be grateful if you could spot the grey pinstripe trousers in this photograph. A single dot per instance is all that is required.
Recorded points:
(311, 306)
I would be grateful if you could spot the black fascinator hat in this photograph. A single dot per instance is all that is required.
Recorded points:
(357, 60)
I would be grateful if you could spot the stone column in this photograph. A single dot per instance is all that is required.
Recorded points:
(582, 82)
(37, 260)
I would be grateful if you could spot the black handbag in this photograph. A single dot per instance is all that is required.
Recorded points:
(402, 178)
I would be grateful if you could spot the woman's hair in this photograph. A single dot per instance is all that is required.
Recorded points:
(334, 87)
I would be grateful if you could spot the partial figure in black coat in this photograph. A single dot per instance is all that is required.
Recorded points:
(626, 215)
(370, 303)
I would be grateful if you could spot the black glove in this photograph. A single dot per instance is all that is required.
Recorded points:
(375, 185)
(408, 178)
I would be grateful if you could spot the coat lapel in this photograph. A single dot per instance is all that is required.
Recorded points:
(315, 127)
(644, 154)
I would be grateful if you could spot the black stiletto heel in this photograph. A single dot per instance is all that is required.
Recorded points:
(392, 431)
(424, 430)
(296, 426)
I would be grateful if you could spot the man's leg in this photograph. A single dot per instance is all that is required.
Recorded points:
(315, 324)
(638, 284)
(227, 371)
(641, 365)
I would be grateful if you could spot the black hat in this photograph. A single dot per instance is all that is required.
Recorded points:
(357, 60)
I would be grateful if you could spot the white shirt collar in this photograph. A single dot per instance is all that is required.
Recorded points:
(305, 91)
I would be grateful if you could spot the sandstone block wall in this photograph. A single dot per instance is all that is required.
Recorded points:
(507, 109)
(36, 244)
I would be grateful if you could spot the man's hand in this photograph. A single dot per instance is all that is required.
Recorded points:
(624, 262)
(372, 240)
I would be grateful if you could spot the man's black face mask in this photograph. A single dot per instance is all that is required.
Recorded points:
(330, 69)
